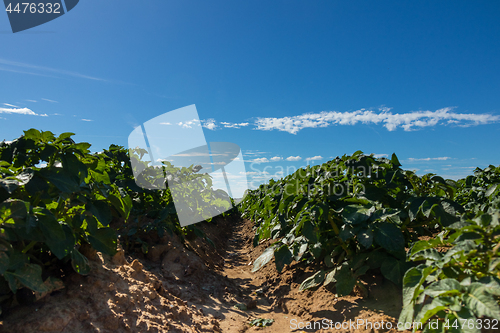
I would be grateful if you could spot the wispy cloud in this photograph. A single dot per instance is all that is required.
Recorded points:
(24, 111)
(293, 158)
(380, 155)
(276, 159)
(444, 158)
(253, 152)
(13, 66)
(32, 101)
(409, 121)
(11, 105)
(234, 125)
(391, 121)
(86, 119)
(189, 123)
(49, 100)
(209, 123)
(314, 158)
(260, 160)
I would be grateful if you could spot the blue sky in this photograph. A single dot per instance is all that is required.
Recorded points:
(291, 82)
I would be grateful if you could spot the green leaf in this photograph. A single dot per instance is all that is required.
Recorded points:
(365, 237)
(395, 161)
(48, 152)
(406, 315)
(11, 280)
(49, 225)
(30, 276)
(313, 281)
(309, 230)
(465, 314)
(261, 322)
(64, 136)
(299, 249)
(10, 185)
(104, 240)
(100, 210)
(36, 184)
(14, 212)
(282, 257)
(64, 182)
(32, 134)
(479, 301)
(92, 224)
(429, 310)
(491, 284)
(79, 262)
(412, 281)
(424, 244)
(356, 214)
(390, 237)
(376, 258)
(427, 254)
(443, 287)
(263, 259)
(122, 205)
(491, 190)
(62, 248)
(394, 270)
(345, 280)
(330, 277)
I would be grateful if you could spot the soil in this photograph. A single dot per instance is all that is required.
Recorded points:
(202, 288)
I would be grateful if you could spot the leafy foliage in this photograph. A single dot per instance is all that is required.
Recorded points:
(352, 214)
(459, 285)
(56, 196)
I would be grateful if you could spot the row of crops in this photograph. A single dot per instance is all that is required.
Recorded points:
(56, 198)
(438, 239)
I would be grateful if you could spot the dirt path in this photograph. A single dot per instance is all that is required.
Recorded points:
(279, 299)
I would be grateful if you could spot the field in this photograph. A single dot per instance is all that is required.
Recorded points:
(357, 239)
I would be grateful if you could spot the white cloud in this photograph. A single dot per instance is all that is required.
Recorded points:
(49, 100)
(24, 111)
(32, 100)
(391, 121)
(260, 160)
(210, 124)
(253, 152)
(86, 119)
(11, 105)
(444, 158)
(380, 155)
(250, 173)
(189, 123)
(234, 125)
(165, 123)
(276, 159)
(293, 158)
(314, 158)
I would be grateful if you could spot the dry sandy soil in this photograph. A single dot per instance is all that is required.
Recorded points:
(198, 288)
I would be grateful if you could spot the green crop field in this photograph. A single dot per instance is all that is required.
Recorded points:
(359, 213)
(436, 238)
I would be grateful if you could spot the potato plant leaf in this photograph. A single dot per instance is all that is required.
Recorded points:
(313, 281)
(282, 257)
(104, 240)
(263, 259)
